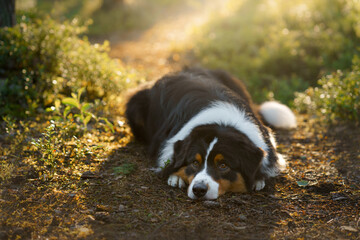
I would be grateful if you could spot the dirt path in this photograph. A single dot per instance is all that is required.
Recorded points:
(153, 51)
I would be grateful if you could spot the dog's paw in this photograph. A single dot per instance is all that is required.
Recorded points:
(176, 181)
(259, 184)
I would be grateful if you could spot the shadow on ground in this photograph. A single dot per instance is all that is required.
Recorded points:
(317, 197)
(346, 146)
(312, 199)
(141, 205)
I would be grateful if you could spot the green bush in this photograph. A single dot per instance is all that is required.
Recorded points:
(280, 45)
(337, 98)
(58, 150)
(49, 150)
(41, 60)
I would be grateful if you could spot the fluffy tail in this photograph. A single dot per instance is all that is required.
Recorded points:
(278, 115)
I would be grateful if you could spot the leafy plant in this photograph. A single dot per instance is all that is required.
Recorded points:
(337, 98)
(48, 148)
(6, 170)
(124, 169)
(42, 60)
(59, 149)
(167, 163)
(10, 124)
(16, 133)
(74, 103)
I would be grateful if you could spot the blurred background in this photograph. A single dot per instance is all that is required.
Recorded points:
(108, 16)
(282, 49)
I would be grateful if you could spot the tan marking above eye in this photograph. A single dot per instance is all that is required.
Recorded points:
(198, 158)
(218, 157)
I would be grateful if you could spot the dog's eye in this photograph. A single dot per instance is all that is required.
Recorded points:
(223, 166)
(195, 163)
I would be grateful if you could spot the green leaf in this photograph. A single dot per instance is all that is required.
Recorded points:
(66, 111)
(74, 95)
(87, 119)
(57, 104)
(70, 116)
(50, 109)
(302, 183)
(71, 102)
(85, 107)
(81, 90)
(57, 118)
(109, 124)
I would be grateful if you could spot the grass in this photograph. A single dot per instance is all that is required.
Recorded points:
(125, 169)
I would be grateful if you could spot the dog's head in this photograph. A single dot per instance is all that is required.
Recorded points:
(215, 159)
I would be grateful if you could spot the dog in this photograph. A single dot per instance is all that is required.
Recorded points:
(202, 129)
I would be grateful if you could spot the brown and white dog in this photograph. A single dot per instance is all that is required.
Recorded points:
(202, 130)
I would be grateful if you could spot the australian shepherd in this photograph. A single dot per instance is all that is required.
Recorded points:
(203, 131)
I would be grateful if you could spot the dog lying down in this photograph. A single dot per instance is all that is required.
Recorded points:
(202, 130)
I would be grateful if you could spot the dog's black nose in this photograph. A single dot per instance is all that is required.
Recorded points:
(200, 189)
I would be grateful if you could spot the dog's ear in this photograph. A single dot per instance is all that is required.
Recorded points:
(179, 159)
(179, 154)
(250, 158)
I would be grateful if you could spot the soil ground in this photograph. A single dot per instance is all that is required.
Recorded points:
(317, 197)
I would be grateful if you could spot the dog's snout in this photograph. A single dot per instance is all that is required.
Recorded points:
(200, 189)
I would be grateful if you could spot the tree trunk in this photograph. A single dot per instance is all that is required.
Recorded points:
(7, 13)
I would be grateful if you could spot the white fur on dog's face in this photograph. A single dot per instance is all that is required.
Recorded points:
(205, 178)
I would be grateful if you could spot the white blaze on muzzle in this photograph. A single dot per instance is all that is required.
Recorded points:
(204, 179)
